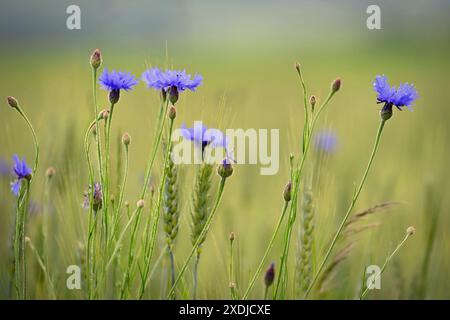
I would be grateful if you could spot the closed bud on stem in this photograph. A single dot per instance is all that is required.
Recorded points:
(172, 113)
(140, 204)
(411, 230)
(13, 103)
(50, 172)
(231, 236)
(96, 59)
(336, 85)
(127, 204)
(287, 191)
(173, 94)
(297, 66)
(312, 102)
(104, 114)
(126, 139)
(270, 275)
(225, 169)
(386, 112)
(114, 96)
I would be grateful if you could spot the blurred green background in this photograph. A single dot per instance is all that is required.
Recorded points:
(246, 52)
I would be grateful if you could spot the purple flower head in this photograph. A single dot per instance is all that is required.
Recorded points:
(270, 275)
(326, 141)
(159, 80)
(117, 80)
(97, 197)
(22, 171)
(403, 96)
(202, 136)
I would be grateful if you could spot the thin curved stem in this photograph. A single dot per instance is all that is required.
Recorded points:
(122, 193)
(89, 256)
(261, 263)
(149, 254)
(387, 261)
(35, 140)
(296, 185)
(200, 237)
(350, 208)
(197, 261)
(161, 121)
(97, 131)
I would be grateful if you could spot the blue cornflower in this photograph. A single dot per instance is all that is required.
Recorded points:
(171, 81)
(115, 81)
(403, 96)
(22, 171)
(202, 136)
(326, 141)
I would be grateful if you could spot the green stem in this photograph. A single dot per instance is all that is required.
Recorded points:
(200, 237)
(121, 196)
(197, 261)
(156, 219)
(90, 213)
(97, 130)
(172, 268)
(350, 208)
(387, 261)
(35, 140)
(231, 274)
(161, 121)
(261, 263)
(296, 185)
(106, 192)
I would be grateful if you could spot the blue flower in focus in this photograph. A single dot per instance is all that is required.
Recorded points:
(403, 96)
(326, 141)
(117, 80)
(171, 81)
(22, 171)
(159, 80)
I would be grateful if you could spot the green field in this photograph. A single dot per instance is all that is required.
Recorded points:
(246, 85)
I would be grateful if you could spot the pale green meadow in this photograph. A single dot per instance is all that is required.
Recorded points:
(246, 84)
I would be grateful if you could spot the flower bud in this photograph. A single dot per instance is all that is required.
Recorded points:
(96, 59)
(126, 139)
(50, 172)
(225, 169)
(411, 230)
(127, 204)
(270, 275)
(140, 204)
(13, 103)
(114, 96)
(104, 114)
(232, 236)
(336, 85)
(312, 102)
(173, 94)
(172, 113)
(287, 191)
(386, 112)
(297, 66)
